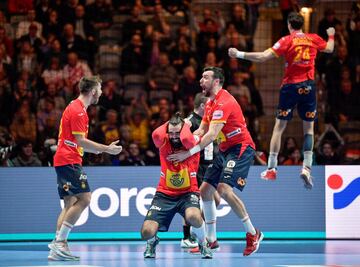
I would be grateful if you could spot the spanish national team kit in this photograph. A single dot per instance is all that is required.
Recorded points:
(236, 147)
(71, 178)
(177, 189)
(298, 86)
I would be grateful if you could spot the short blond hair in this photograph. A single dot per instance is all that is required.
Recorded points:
(86, 84)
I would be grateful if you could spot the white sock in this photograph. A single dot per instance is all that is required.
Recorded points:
(64, 231)
(272, 161)
(199, 232)
(210, 219)
(249, 228)
(308, 158)
(151, 240)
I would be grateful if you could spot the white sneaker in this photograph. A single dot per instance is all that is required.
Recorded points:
(53, 256)
(305, 175)
(61, 249)
(188, 243)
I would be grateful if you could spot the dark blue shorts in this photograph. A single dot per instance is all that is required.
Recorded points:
(230, 167)
(71, 180)
(163, 208)
(302, 95)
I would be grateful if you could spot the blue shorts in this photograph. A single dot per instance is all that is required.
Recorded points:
(163, 208)
(71, 180)
(302, 95)
(230, 167)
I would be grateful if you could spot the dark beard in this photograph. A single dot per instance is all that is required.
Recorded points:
(176, 143)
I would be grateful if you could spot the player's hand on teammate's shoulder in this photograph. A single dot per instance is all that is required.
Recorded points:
(232, 52)
(330, 31)
(113, 149)
(188, 122)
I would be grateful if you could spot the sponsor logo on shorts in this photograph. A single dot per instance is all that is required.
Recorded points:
(82, 177)
(304, 90)
(310, 115)
(67, 186)
(241, 181)
(231, 164)
(283, 113)
(83, 185)
(217, 115)
(194, 199)
(227, 176)
(154, 207)
(149, 213)
(228, 170)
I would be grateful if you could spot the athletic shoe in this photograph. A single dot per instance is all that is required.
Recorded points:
(188, 243)
(212, 245)
(253, 242)
(205, 250)
(61, 248)
(150, 251)
(53, 256)
(306, 177)
(269, 174)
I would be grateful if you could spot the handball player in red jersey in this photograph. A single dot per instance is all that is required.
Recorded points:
(297, 89)
(72, 182)
(223, 120)
(177, 191)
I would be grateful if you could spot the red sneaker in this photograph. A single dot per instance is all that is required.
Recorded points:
(269, 174)
(213, 246)
(253, 242)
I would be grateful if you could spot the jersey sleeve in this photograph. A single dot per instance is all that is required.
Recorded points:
(221, 113)
(159, 135)
(78, 122)
(319, 42)
(280, 47)
(187, 138)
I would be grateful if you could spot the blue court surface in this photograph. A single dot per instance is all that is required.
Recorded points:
(296, 253)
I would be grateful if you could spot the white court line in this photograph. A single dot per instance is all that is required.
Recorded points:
(60, 265)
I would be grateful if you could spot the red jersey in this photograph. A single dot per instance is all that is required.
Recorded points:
(74, 121)
(224, 109)
(176, 179)
(300, 51)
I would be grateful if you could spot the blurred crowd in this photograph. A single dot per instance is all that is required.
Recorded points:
(46, 46)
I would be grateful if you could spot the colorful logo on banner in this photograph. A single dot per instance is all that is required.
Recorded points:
(347, 195)
(342, 201)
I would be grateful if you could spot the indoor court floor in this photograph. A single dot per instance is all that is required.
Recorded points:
(292, 253)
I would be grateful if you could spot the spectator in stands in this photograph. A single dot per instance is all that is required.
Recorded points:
(354, 39)
(72, 42)
(23, 27)
(329, 20)
(108, 131)
(93, 115)
(348, 102)
(182, 56)
(67, 10)
(5, 98)
(188, 84)
(6, 25)
(139, 128)
(133, 57)
(54, 74)
(134, 158)
(20, 94)
(327, 155)
(133, 25)
(206, 33)
(252, 7)
(158, 21)
(238, 17)
(211, 46)
(289, 145)
(55, 51)
(109, 99)
(99, 14)
(6, 43)
(217, 24)
(211, 60)
(23, 125)
(27, 59)
(47, 111)
(237, 87)
(46, 139)
(26, 156)
(52, 25)
(32, 38)
(154, 46)
(52, 93)
(286, 7)
(162, 76)
(42, 10)
(294, 158)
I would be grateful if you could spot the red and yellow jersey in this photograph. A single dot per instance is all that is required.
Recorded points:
(225, 109)
(176, 179)
(300, 50)
(74, 121)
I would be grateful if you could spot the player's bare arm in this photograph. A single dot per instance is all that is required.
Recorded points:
(203, 128)
(209, 137)
(252, 56)
(331, 42)
(96, 148)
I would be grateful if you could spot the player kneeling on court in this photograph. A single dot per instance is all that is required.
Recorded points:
(177, 191)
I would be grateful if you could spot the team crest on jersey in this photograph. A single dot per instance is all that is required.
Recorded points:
(217, 115)
(177, 180)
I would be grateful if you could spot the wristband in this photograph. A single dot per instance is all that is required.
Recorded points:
(240, 54)
(331, 37)
(195, 150)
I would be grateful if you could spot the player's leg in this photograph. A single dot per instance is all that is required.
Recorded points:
(307, 112)
(287, 101)
(148, 233)
(236, 170)
(189, 208)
